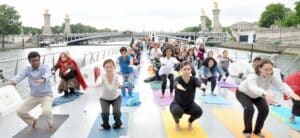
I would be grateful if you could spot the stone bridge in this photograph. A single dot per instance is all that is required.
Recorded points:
(73, 39)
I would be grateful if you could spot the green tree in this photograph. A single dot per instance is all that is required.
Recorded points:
(289, 21)
(57, 29)
(9, 22)
(297, 8)
(80, 28)
(208, 23)
(31, 30)
(191, 29)
(273, 13)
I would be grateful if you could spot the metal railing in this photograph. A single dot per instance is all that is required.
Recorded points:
(12, 66)
(293, 66)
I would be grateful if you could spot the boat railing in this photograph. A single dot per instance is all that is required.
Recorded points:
(11, 67)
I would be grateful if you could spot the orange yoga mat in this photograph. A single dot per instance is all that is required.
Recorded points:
(233, 120)
(169, 125)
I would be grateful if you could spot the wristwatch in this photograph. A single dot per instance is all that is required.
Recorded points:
(44, 79)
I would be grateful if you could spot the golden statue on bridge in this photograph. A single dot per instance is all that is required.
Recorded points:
(216, 7)
(202, 12)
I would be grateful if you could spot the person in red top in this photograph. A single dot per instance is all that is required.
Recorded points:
(70, 74)
(293, 81)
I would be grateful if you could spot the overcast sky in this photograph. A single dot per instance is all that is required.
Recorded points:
(138, 15)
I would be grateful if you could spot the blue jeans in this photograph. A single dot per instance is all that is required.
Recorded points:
(127, 78)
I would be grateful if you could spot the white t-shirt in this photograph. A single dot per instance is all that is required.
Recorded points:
(109, 91)
(156, 53)
(167, 65)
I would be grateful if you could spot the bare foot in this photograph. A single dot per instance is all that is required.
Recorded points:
(177, 127)
(34, 124)
(292, 120)
(50, 126)
(162, 96)
(190, 127)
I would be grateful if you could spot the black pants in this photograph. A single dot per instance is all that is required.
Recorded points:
(213, 81)
(116, 104)
(247, 104)
(163, 77)
(177, 111)
(226, 73)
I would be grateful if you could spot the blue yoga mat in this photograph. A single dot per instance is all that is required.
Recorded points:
(283, 113)
(134, 100)
(62, 100)
(112, 133)
(210, 99)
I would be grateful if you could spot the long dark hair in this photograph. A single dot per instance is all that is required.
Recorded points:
(205, 62)
(165, 51)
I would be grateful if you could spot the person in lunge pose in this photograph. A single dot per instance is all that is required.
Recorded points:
(185, 88)
(109, 85)
(254, 90)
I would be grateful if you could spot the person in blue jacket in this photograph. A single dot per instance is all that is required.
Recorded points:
(209, 71)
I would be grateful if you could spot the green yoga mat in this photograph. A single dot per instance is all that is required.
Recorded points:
(155, 85)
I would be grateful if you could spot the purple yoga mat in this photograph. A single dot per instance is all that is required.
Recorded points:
(224, 84)
(163, 101)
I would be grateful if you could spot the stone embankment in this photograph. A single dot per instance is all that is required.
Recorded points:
(265, 49)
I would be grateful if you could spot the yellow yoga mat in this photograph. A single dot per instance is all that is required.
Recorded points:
(233, 120)
(169, 125)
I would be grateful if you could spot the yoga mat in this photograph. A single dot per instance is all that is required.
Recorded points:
(42, 128)
(283, 113)
(134, 100)
(232, 89)
(62, 100)
(169, 125)
(167, 100)
(294, 134)
(155, 85)
(233, 120)
(210, 99)
(224, 84)
(111, 133)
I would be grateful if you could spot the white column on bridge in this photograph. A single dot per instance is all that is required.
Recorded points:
(67, 29)
(47, 27)
(203, 22)
(216, 21)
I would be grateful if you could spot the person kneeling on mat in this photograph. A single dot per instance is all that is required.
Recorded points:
(109, 84)
(185, 88)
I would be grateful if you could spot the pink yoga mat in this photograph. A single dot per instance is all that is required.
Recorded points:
(224, 84)
(167, 100)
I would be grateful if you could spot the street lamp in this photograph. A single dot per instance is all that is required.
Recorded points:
(22, 34)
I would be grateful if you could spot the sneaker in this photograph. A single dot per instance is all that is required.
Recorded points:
(105, 127)
(66, 94)
(116, 126)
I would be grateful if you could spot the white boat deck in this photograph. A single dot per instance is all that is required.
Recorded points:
(145, 121)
